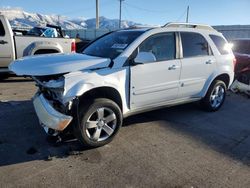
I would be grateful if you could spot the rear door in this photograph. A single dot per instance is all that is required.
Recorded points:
(156, 82)
(197, 62)
(6, 43)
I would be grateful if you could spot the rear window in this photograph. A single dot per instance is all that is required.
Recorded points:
(220, 43)
(194, 44)
(2, 32)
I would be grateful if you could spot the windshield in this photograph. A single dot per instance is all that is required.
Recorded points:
(113, 44)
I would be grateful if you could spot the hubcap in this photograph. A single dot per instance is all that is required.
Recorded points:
(217, 96)
(101, 124)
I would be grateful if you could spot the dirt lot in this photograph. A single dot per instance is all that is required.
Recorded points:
(174, 147)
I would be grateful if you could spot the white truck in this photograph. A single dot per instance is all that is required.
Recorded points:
(15, 46)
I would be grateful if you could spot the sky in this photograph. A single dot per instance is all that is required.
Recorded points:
(152, 12)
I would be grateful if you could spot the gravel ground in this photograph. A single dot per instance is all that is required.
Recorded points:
(173, 147)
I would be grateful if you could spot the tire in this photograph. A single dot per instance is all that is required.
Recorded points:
(215, 96)
(4, 76)
(94, 130)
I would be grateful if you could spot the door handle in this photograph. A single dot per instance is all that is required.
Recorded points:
(173, 67)
(3, 42)
(209, 62)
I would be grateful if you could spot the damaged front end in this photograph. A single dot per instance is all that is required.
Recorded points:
(53, 113)
(55, 99)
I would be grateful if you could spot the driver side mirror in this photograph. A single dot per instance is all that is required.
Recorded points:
(144, 57)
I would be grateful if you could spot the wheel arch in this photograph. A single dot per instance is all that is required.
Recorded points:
(45, 51)
(225, 77)
(43, 46)
(102, 92)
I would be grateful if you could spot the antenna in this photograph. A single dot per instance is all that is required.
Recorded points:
(97, 15)
(120, 14)
(187, 14)
(58, 20)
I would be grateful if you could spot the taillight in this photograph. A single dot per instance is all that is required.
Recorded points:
(73, 47)
(234, 62)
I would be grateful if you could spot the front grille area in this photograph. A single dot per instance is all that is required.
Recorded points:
(53, 99)
(48, 78)
(53, 96)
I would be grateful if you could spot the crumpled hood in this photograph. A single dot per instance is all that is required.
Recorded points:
(52, 64)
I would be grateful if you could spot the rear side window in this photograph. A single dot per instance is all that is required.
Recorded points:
(161, 45)
(2, 32)
(220, 43)
(194, 44)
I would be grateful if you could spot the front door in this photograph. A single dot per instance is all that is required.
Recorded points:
(158, 81)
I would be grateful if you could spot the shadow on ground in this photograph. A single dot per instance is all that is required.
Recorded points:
(22, 139)
(226, 131)
(14, 79)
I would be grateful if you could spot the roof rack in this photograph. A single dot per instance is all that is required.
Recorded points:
(188, 25)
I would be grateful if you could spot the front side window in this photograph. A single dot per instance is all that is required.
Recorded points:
(161, 45)
(193, 45)
(113, 44)
(2, 31)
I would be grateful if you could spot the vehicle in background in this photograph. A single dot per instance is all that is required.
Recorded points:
(81, 45)
(42, 31)
(47, 31)
(16, 46)
(127, 72)
(241, 46)
(241, 49)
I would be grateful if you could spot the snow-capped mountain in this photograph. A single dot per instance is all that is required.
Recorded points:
(109, 23)
(19, 18)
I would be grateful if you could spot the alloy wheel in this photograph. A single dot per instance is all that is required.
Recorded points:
(101, 124)
(217, 96)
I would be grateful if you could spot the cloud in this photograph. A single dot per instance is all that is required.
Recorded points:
(11, 8)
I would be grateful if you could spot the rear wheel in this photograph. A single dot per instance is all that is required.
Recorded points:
(215, 96)
(100, 121)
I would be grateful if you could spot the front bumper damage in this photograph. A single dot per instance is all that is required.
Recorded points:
(48, 116)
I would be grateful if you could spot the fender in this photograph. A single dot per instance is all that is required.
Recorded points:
(212, 77)
(42, 45)
(94, 80)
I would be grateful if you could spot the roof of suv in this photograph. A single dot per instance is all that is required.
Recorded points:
(172, 25)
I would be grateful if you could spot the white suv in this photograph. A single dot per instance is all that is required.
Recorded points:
(127, 72)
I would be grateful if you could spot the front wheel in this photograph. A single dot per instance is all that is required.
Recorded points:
(100, 121)
(215, 96)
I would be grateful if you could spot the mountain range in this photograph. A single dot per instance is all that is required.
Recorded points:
(20, 18)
